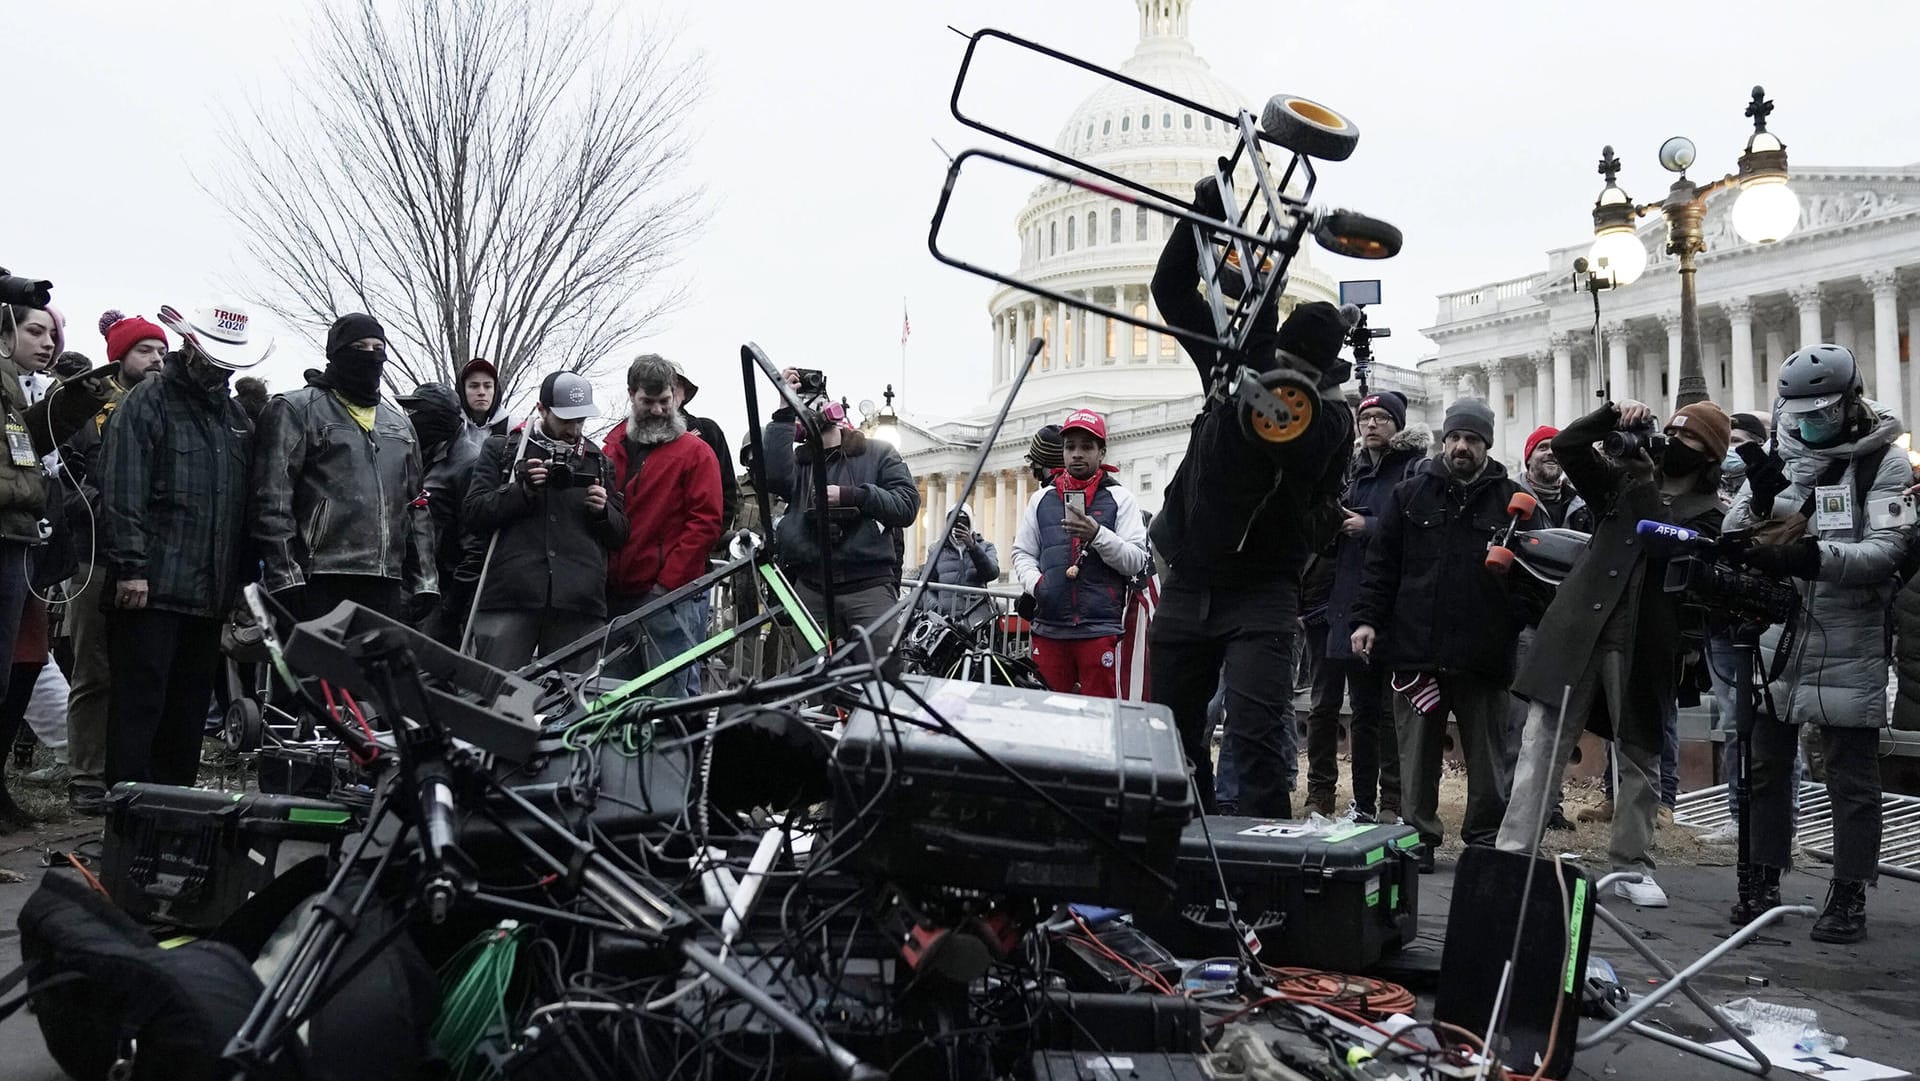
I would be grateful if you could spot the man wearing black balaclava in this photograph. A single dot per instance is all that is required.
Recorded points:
(1237, 525)
(336, 482)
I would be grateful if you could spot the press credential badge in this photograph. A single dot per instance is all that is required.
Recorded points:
(20, 445)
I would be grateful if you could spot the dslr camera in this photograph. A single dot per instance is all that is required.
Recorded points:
(813, 385)
(31, 292)
(1625, 442)
(569, 470)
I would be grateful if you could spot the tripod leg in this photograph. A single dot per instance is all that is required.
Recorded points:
(1746, 702)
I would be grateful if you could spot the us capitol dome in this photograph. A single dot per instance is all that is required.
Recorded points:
(1082, 243)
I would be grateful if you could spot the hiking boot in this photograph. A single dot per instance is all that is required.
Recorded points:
(1558, 821)
(1602, 813)
(1322, 802)
(87, 800)
(1226, 807)
(1757, 897)
(1424, 856)
(1663, 817)
(51, 776)
(1845, 919)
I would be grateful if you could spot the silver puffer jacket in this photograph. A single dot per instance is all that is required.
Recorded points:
(1837, 674)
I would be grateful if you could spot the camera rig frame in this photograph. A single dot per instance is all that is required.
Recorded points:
(1265, 251)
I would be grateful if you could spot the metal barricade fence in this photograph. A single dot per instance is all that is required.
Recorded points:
(772, 652)
(1008, 634)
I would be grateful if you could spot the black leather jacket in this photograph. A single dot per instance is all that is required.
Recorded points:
(334, 499)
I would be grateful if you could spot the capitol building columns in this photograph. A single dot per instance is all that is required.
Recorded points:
(1885, 288)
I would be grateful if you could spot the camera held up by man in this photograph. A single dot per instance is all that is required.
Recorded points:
(1617, 664)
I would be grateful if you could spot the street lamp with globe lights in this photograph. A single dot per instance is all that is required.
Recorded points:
(881, 423)
(1765, 211)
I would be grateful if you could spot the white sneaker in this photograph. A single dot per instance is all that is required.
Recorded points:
(1728, 834)
(1645, 893)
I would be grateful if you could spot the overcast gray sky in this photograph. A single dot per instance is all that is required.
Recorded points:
(1480, 125)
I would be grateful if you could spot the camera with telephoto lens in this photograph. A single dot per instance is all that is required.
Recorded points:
(1622, 443)
(31, 292)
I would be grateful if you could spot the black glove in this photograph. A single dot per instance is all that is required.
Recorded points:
(1206, 195)
(1801, 559)
(1766, 477)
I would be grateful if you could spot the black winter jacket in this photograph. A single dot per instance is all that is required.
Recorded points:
(550, 552)
(175, 489)
(1426, 589)
(882, 502)
(331, 498)
(1370, 487)
(716, 440)
(1597, 587)
(1241, 510)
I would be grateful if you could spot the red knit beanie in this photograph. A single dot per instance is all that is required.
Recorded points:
(123, 331)
(1539, 436)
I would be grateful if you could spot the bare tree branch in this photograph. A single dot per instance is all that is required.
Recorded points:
(498, 178)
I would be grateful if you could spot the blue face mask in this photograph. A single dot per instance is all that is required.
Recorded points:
(1818, 429)
(1733, 465)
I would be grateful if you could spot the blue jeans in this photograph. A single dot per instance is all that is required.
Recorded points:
(665, 636)
(696, 616)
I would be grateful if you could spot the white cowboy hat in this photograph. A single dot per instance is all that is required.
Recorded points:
(220, 332)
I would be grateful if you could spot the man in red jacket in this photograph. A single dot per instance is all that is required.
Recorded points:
(671, 482)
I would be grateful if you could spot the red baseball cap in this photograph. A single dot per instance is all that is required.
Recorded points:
(1087, 421)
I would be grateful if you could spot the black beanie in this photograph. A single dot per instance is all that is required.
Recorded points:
(1391, 402)
(1314, 333)
(351, 328)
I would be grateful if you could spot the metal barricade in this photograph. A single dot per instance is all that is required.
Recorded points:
(1008, 633)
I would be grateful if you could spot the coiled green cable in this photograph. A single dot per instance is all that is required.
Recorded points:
(473, 996)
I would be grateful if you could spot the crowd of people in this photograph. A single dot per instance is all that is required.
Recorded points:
(140, 495)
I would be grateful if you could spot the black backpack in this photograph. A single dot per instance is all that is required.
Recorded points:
(105, 993)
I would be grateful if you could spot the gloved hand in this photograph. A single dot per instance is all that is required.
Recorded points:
(1206, 195)
(1801, 559)
(1766, 477)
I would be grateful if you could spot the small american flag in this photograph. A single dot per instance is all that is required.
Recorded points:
(1132, 676)
(906, 325)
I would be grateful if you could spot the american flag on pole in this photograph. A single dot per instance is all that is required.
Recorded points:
(1132, 677)
(906, 325)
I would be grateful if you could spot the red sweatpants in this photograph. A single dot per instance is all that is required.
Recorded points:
(1079, 665)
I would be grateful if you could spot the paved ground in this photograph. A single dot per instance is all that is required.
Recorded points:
(1864, 993)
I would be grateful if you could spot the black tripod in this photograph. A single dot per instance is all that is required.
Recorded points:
(414, 819)
(1746, 709)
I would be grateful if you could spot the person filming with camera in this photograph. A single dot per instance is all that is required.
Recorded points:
(1826, 508)
(543, 504)
(1616, 631)
(871, 498)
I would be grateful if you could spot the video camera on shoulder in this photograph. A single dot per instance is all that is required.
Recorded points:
(1625, 442)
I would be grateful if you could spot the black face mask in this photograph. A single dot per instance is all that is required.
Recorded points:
(206, 374)
(1681, 460)
(355, 373)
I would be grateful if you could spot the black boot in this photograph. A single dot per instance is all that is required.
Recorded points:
(1845, 919)
(1760, 892)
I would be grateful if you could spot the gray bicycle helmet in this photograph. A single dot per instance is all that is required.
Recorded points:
(1817, 376)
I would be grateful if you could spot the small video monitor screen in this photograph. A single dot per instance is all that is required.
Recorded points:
(1360, 292)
